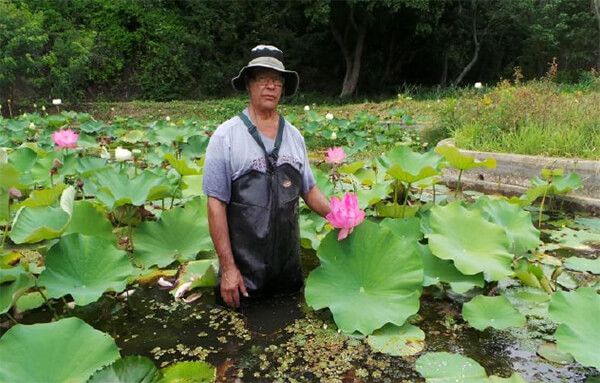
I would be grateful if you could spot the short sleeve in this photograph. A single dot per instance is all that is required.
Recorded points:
(217, 173)
(308, 180)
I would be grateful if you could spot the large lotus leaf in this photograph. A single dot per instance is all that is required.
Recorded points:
(180, 233)
(367, 280)
(9, 176)
(550, 351)
(557, 185)
(407, 227)
(88, 165)
(14, 281)
(407, 166)
(400, 341)
(461, 161)
(323, 182)
(514, 378)
(474, 244)
(85, 267)
(167, 134)
(352, 168)
(88, 220)
(515, 221)
(578, 315)
(133, 136)
(202, 273)
(369, 197)
(44, 197)
(181, 166)
(29, 301)
(34, 224)
(437, 270)
(68, 350)
(117, 189)
(40, 171)
(195, 146)
(583, 264)
(529, 300)
(443, 367)
(191, 186)
(497, 312)
(189, 372)
(131, 369)
(394, 210)
(23, 158)
(92, 126)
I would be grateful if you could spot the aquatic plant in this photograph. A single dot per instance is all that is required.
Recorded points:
(64, 139)
(345, 214)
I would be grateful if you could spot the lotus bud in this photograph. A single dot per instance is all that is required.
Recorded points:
(80, 184)
(122, 154)
(168, 118)
(15, 193)
(136, 153)
(56, 101)
(53, 171)
(104, 153)
(306, 108)
(112, 109)
(31, 125)
(478, 85)
(34, 106)
(57, 163)
(333, 135)
(43, 108)
(329, 116)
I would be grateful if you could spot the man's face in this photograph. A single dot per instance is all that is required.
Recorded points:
(265, 89)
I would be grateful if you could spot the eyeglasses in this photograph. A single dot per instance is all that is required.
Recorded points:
(263, 80)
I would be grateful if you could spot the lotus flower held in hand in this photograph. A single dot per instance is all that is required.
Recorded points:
(345, 214)
(65, 139)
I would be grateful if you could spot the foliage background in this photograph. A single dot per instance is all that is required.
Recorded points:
(103, 50)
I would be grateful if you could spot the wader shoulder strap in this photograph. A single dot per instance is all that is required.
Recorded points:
(274, 155)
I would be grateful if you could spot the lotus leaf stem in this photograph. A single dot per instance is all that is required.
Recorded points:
(460, 172)
(11, 317)
(542, 208)
(54, 314)
(405, 199)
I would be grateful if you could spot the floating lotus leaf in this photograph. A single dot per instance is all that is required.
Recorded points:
(482, 312)
(578, 315)
(133, 136)
(189, 372)
(576, 239)
(399, 341)
(474, 244)
(68, 350)
(443, 367)
(590, 223)
(87, 219)
(117, 189)
(515, 221)
(461, 161)
(34, 224)
(131, 369)
(44, 197)
(407, 166)
(406, 227)
(85, 267)
(437, 270)
(14, 281)
(180, 233)
(550, 352)
(583, 264)
(529, 300)
(369, 197)
(514, 378)
(371, 278)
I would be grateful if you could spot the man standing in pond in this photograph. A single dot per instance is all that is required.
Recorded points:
(255, 169)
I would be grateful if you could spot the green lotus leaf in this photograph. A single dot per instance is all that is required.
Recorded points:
(590, 223)
(191, 186)
(34, 224)
(514, 378)
(92, 126)
(166, 135)
(23, 158)
(14, 281)
(29, 301)
(399, 341)
(578, 315)
(117, 189)
(195, 146)
(461, 161)
(394, 210)
(529, 300)
(133, 136)
(40, 171)
(407, 166)
(406, 227)
(131, 369)
(369, 197)
(87, 219)
(202, 273)
(88, 165)
(443, 367)
(515, 221)
(437, 270)
(5, 214)
(555, 186)
(85, 267)
(312, 230)
(351, 168)
(550, 352)
(576, 239)
(180, 233)
(482, 312)
(367, 280)
(189, 372)
(182, 166)
(68, 350)
(474, 244)
(44, 197)
(323, 182)
(9, 176)
(583, 264)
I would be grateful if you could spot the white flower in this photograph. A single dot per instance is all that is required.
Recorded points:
(104, 153)
(122, 154)
(56, 101)
(333, 136)
(32, 126)
(168, 118)
(43, 108)
(329, 116)
(478, 85)
(306, 108)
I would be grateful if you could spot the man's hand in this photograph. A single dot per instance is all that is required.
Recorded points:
(232, 284)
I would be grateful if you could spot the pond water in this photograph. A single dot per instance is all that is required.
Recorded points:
(280, 339)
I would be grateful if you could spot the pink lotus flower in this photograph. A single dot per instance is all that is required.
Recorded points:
(65, 139)
(335, 155)
(345, 214)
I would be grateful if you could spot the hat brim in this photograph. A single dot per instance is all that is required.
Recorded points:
(291, 79)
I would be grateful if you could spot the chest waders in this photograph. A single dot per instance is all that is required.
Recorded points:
(263, 223)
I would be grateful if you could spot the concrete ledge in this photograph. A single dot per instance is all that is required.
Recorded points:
(513, 172)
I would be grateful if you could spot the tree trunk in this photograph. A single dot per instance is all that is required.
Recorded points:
(470, 65)
(596, 8)
(444, 79)
(352, 60)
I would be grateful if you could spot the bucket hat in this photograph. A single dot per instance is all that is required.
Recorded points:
(268, 56)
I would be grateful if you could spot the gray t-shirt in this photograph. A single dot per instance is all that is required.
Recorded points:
(232, 152)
